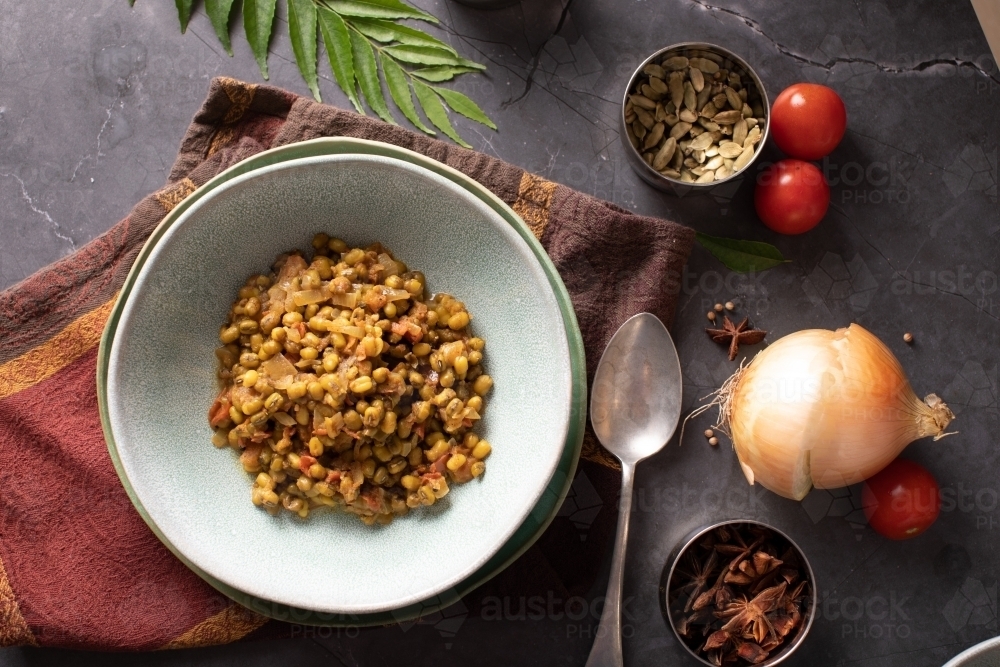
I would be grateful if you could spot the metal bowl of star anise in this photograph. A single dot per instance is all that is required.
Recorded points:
(739, 593)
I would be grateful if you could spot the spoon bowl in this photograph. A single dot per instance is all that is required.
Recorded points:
(634, 407)
(635, 404)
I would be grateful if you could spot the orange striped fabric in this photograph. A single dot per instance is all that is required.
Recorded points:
(41, 362)
(27, 370)
(14, 630)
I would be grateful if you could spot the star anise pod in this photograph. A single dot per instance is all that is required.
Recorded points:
(717, 639)
(735, 335)
(723, 596)
(752, 653)
(702, 572)
(687, 623)
(790, 575)
(713, 593)
(795, 595)
(753, 569)
(741, 550)
(749, 617)
(790, 558)
(783, 623)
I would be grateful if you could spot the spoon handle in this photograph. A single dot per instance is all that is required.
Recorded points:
(607, 649)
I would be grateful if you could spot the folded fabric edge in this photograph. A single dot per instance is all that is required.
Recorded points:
(215, 124)
(229, 625)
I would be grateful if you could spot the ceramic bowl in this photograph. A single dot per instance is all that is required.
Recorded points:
(160, 380)
(984, 654)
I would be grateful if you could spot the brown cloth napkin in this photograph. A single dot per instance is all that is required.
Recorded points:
(79, 568)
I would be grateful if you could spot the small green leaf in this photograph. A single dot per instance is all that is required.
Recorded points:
(441, 73)
(131, 3)
(742, 256)
(428, 55)
(463, 105)
(387, 31)
(435, 111)
(219, 12)
(373, 29)
(184, 13)
(337, 40)
(258, 17)
(378, 9)
(400, 91)
(302, 30)
(366, 69)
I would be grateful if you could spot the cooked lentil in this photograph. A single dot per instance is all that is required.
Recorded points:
(344, 385)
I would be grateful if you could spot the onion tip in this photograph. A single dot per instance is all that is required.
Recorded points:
(939, 418)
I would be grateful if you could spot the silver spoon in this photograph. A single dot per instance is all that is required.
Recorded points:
(635, 405)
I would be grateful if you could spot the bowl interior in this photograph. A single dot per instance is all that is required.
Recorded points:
(162, 380)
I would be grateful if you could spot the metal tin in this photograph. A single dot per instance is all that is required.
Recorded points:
(678, 554)
(692, 49)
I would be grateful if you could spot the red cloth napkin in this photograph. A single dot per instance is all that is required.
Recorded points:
(78, 566)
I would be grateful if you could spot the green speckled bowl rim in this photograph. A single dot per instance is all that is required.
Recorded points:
(543, 512)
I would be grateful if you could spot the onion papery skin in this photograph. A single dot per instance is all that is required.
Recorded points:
(826, 409)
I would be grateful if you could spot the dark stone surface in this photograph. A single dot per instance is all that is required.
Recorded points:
(94, 98)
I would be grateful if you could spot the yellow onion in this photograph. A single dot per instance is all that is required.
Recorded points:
(826, 409)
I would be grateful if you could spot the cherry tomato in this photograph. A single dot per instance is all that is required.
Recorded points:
(791, 196)
(902, 500)
(808, 120)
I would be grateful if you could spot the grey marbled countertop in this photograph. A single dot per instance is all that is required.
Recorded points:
(94, 98)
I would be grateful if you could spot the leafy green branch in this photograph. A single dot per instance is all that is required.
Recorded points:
(366, 45)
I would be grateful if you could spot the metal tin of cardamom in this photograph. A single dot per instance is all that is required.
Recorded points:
(677, 557)
(726, 59)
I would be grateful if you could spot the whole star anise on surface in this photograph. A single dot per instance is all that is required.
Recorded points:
(735, 335)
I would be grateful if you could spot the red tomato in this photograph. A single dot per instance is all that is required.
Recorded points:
(902, 500)
(808, 120)
(791, 196)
